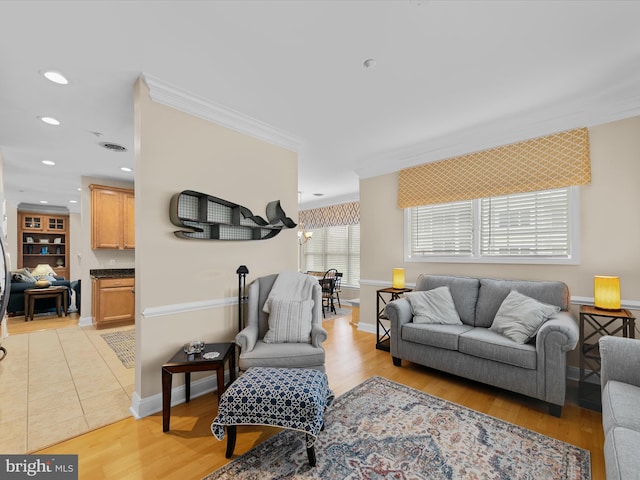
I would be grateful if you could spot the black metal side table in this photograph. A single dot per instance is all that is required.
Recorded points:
(599, 323)
(383, 330)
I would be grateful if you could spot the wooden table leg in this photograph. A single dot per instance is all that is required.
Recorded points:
(187, 386)
(311, 454)
(32, 306)
(220, 380)
(59, 304)
(231, 440)
(166, 399)
(26, 307)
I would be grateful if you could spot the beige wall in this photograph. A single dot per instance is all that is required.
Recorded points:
(174, 152)
(609, 228)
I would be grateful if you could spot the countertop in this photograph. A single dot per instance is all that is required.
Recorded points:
(112, 272)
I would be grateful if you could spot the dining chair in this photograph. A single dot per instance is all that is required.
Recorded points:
(328, 285)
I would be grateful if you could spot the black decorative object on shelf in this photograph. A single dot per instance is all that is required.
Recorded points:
(242, 272)
(211, 218)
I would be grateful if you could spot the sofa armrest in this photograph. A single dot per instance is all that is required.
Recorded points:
(565, 330)
(620, 359)
(318, 335)
(399, 312)
(246, 339)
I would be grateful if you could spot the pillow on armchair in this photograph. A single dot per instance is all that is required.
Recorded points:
(289, 321)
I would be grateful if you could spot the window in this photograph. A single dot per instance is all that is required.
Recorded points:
(534, 227)
(335, 247)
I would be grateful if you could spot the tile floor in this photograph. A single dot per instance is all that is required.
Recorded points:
(57, 384)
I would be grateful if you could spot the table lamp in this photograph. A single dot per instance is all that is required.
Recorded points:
(606, 292)
(398, 278)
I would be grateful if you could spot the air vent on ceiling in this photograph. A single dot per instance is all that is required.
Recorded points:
(114, 147)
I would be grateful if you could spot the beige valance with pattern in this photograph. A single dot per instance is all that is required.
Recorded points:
(552, 161)
(342, 214)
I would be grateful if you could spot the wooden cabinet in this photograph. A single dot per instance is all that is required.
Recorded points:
(44, 238)
(113, 301)
(112, 218)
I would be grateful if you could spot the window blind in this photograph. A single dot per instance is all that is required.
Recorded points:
(528, 224)
(445, 229)
(335, 247)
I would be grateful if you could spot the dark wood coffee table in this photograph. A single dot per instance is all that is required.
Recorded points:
(183, 363)
(61, 294)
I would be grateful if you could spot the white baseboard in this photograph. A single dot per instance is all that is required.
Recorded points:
(143, 407)
(85, 321)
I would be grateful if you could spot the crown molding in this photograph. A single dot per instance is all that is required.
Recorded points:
(544, 120)
(174, 97)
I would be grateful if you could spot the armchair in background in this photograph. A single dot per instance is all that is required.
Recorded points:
(289, 334)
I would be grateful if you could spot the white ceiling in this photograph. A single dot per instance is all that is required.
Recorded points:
(451, 77)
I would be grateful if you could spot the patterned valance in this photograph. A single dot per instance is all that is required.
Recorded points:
(342, 214)
(553, 161)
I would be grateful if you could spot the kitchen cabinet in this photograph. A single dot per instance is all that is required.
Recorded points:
(112, 218)
(113, 301)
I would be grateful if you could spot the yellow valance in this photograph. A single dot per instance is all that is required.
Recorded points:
(552, 161)
(342, 214)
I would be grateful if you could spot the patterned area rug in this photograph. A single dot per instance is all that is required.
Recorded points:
(381, 429)
(124, 345)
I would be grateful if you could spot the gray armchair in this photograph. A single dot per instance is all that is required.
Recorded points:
(254, 352)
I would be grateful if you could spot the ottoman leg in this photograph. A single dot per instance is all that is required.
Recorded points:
(231, 440)
(311, 453)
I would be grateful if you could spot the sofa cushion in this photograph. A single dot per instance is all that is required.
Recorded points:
(520, 317)
(464, 291)
(433, 306)
(434, 335)
(620, 406)
(621, 453)
(493, 292)
(484, 343)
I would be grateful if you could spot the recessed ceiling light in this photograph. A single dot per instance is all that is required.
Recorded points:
(73, 201)
(44, 201)
(318, 194)
(126, 169)
(56, 77)
(50, 120)
(48, 162)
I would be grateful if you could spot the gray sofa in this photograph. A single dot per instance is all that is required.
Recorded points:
(620, 380)
(472, 350)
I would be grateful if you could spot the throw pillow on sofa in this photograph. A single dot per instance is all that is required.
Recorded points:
(520, 317)
(433, 306)
(22, 275)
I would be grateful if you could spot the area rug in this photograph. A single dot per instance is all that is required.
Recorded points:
(340, 312)
(381, 429)
(123, 343)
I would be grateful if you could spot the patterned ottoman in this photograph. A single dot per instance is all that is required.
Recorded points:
(293, 398)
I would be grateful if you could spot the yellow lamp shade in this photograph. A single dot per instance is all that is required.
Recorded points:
(398, 278)
(606, 292)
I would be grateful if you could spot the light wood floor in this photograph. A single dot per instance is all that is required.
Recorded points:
(137, 449)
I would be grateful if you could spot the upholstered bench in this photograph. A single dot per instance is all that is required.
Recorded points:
(293, 398)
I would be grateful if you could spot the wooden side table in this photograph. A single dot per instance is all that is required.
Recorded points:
(184, 363)
(383, 331)
(61, 294)
(601, 323)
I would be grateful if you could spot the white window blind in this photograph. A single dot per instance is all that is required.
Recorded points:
(445, 229)
(527, 224)
(534, 227)
(335, 247)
